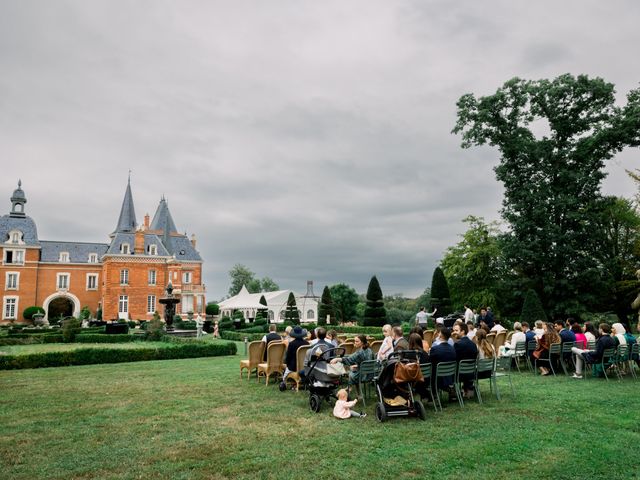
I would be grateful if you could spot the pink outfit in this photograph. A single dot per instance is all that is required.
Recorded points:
(581, 341)
(343, 408)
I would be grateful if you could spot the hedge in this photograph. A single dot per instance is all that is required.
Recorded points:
(103, 338)
(88, 356)
(31, 339)
(239, 337)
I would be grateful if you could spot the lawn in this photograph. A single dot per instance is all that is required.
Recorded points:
(196, 419)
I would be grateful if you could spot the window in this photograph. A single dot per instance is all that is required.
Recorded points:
(64, 257)
(14, 257)
(15, 237)
(92, 281)
(93, 258)
(310, 315)
(124, 248)
(151, 303)
(10, 308)
(63, 281)
(153, 249)
(200, 301)
(152, 277)
(124, 277)
(271, 315)
(123, 304)
(12, 280)
(186, 277)
(187, 303)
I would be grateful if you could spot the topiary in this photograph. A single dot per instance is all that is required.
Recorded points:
(532, 309)
(212, 309)
(440, 296)
(29, 312)
(291, 314)
(70, 327)
(375, 315)
(326, 308)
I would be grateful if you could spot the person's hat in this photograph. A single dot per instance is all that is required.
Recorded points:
(298, 332)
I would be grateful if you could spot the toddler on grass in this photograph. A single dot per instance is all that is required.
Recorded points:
(343, 406)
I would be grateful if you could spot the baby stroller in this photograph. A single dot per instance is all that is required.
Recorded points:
(322, 379)
(395, 387)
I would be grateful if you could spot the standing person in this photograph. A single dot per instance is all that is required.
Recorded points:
(297, 335)
(468, 314)
(422, 317)
(594, 356)
(216, 330)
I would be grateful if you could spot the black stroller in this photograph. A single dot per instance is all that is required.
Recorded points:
(320, 379)
(396, 398)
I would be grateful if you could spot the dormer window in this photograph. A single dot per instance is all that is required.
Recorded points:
(153, 250)
(15, 237)
(64, 257)
(93, 258)
(124, 249)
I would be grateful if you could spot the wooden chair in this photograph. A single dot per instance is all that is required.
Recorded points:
(256, 350)
(349, 348)
(499, 339)
(428, 336)
(342, 338)
(509, 335)
(295, 376)
(491, 338)
(375, 346)
(275, 356)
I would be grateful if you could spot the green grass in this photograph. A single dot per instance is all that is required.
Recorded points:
(63, 347)
(195, 419)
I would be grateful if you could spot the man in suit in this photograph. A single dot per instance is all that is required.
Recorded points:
(485, 319)
(399, 342)
(272, 336)
(566, 335)
(465, 350)
(443, 352)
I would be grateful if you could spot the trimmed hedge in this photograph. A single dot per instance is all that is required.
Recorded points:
(112, 338)
(31, 339)
(88, 356)
(239, 337)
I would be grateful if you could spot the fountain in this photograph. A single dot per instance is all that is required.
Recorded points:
(169, 303)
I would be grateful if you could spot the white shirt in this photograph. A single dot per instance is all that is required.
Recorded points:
(498, 328)
(468, 315)
(421, 317)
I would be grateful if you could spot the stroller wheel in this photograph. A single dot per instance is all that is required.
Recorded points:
(381, 413)
(420, 410)
(314, 403)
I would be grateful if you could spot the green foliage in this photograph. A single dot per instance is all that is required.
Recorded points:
(325, 308)
(154, 330)
(552, 181)
(85, 313)
(99, 314)
(241, 275)
(345, 300)
(262, 313)
(291, 314)
(29, 312)
(70, 327)
(473, 267)
(532, 308)
(440, 296)
(212, 309)
(87, 356)
(396, 316)
(375, 315)
(225, 323)
(111, 338)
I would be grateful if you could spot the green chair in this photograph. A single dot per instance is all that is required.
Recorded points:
(367, 375)
(621, 360)
(519, 352)
(445, 369)
(608, 358)
(554, 350)
(634, 355)
(485, 370)
(531, 347)
(503, 370)
(465, 367)
(565, 352)
(426, 373)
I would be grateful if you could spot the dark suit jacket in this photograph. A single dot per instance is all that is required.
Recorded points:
(400, 344)
(465, 349)
(567, 335)
(442, 353)
(291, 357)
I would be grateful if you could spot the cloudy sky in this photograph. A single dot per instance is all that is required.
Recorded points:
(307, 140)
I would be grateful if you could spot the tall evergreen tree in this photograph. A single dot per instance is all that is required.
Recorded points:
(440, 296)
(291, 313)
(532, 309)
(262, 313)
(375, 315)
(325, 308)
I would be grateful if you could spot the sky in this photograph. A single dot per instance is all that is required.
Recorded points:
(305, 140)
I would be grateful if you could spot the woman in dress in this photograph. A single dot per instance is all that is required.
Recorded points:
(542, 351)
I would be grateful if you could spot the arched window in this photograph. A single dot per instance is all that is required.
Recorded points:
(310, 315)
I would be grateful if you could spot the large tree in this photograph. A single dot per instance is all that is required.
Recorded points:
(473, 267)
(554, 137)
(345, 300)
(241, 275)
(375, 314)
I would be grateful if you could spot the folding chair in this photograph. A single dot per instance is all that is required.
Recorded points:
(554, 349)
(531, 347)
(503, 369)
(483, 366)
(445, 369)
(565, 352)
(468, 368)
(519, 352)
(367, 374)
(426, 373)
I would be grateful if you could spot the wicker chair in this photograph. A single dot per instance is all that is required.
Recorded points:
(273, 365)
(256, 350)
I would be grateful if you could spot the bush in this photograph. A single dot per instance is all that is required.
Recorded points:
(396, 316)
(375, 314)
(70, 327)
(132, 324)
(102, 338)
(260, 322)
(291, 313)
(254, 329)
(532, 309)
(225, 324)
(29, 312)
(240, 336)
(88, 356)
(154, 330)
(212, 309)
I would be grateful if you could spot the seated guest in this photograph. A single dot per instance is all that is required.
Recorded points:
(497, 327)
(332, 337)
(362, 353)
(387, 344)
(471, 330)
(518, 336)
(297, 335)
(485, 347)
(617, 332)
(528, 333)
(465, 350)
(443, 352)
(420, 331)
(542, 351)
(399, 342)
(594, 356)
(581, 339)
(566, 335)
(286, 339)
(312, 338)
(539, 328)
(272, 336)
(415, 344)
(437, 338)
(590, 332)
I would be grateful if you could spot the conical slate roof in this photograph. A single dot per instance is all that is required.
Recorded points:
(162, 219)
(127, 220)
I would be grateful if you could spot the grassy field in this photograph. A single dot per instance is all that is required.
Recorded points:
(195, 419)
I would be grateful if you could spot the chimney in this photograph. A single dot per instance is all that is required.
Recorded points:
(146, 221)
(138, 247)
(193, 240)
